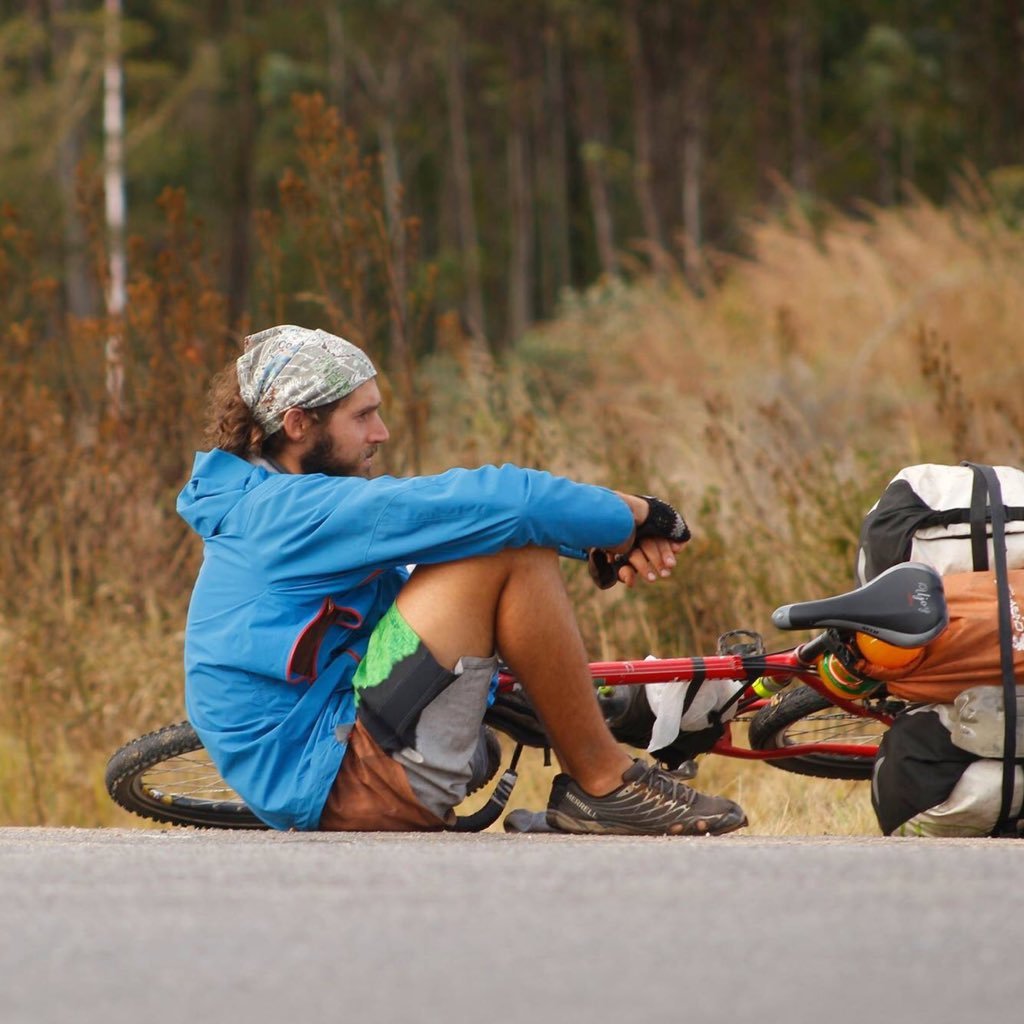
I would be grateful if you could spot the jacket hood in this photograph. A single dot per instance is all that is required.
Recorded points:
(218, 483)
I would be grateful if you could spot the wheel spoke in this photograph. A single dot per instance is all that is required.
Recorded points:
(188, 775)
(833, 727)
(804, 717)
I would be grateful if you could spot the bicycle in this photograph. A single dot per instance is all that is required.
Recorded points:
(810, 726)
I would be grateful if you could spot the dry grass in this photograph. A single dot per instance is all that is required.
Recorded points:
(772, 408)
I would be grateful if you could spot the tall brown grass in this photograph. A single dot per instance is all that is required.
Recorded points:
(772, 408)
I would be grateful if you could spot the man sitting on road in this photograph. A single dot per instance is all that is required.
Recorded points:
(333, 689)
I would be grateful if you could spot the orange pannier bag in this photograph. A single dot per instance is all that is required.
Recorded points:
(966, 653)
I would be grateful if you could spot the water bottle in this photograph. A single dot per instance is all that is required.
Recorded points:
(976, 722)
(766, 687)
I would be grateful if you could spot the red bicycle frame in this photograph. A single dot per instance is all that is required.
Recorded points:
(782, 665)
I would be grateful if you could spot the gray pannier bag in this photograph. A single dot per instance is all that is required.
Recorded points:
(925, 782)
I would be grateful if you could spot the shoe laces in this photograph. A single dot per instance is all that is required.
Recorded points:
(662, 785)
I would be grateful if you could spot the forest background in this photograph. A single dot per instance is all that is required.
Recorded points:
(752, 256)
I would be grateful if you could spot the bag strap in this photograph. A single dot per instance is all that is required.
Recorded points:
(985, 479)
(979, 516)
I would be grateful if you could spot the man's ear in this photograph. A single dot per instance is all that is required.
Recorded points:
(296, 425)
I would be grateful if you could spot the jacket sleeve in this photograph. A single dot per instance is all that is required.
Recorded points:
(333, 526)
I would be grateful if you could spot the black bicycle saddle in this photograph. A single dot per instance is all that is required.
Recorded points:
(904, 606)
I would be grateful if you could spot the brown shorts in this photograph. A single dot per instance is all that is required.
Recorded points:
(413, 748)
(372, 793)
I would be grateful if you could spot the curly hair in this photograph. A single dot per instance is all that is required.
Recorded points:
(231, 426)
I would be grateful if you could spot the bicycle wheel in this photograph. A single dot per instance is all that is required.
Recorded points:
(802, 715)
(168, 776)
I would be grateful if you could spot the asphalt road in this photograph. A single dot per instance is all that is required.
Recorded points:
(179, 925)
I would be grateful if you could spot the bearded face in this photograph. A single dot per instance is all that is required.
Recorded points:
(328, 457)
(345, 442)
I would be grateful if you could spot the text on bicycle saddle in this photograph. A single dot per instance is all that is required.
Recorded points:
(904, 606)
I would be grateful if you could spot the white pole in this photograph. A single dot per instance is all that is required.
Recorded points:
(113, 161)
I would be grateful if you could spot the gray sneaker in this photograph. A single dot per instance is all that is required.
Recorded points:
(522, 820)
(651, 801)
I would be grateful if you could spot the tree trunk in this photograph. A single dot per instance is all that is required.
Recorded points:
(554, 172)
(797, 88)
(1016, 17)
(762, 92)
(692, 158)
(520, 265)
(693, 169)
(884, 141)
(79, 289)
(113, 154)
(392, 174)
(385, 93)
(590, 119)
(81, 297)
(1013, 81)
(335, 55)
(643, 168)
(240, 187)
(462, 172)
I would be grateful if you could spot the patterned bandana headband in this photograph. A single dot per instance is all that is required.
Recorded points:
(291, 367)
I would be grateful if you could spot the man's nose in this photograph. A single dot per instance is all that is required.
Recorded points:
(381, 433)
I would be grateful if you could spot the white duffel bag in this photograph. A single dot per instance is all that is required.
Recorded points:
(924, 515)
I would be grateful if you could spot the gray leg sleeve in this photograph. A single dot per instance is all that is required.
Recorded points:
(440, 766)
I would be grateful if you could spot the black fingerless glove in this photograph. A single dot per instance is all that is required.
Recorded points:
(662, 521)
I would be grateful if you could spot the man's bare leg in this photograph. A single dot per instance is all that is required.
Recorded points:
(516, 602)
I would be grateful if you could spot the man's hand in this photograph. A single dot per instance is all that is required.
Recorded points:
(649, 554)
(651, 560)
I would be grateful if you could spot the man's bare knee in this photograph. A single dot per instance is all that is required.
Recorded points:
(453, 606)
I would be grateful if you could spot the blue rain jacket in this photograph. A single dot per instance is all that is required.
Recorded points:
(298, 569)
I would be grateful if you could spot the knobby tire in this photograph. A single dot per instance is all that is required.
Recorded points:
(167, 776)
(802, 715)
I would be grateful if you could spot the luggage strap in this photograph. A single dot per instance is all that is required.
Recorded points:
(986, 481)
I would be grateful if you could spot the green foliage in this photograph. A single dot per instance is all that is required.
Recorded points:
(888, 98)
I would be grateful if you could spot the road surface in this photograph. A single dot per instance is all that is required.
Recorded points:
(181, 925)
